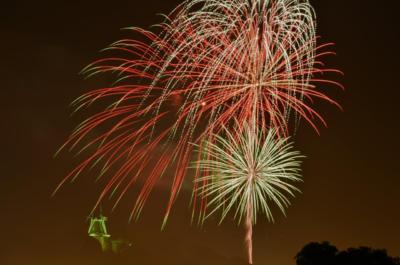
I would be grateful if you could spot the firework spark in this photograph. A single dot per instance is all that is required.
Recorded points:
(227, 61)
(246, 173)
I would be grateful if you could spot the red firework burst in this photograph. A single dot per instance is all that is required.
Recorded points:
(223, 63)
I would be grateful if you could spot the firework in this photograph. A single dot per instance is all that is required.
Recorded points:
(246, 173)
(229, 61)
(249, 56)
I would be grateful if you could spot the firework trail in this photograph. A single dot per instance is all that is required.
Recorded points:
(247, 172)
(233, 62)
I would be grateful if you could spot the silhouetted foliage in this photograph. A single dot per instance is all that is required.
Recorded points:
(326, 254)
(365, 256)
(317, 254)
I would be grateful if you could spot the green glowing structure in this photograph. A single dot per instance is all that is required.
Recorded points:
(98, 230)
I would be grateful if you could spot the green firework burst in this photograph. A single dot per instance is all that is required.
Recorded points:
(247, 172)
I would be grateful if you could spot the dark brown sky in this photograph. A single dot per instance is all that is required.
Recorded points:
(351, 192)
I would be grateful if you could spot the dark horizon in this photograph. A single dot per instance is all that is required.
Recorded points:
(350, 195)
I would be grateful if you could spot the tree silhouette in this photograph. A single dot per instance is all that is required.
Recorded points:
(365, 256)
(317, 254)
(326, 254)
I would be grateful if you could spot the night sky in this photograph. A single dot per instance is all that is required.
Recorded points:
(351, 192)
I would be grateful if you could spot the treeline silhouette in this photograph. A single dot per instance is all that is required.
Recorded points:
(326, 254)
